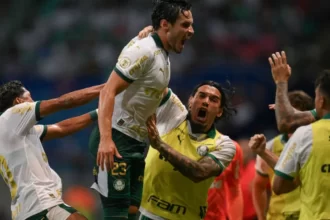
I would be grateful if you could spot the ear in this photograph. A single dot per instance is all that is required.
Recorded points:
(220, 112)
(17, 101)
(164, 24)
(190, 102)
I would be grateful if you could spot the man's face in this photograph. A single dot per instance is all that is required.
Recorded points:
(205, 106)
(180, 31)
(25, 97)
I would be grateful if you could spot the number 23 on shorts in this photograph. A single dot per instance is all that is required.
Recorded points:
(119, 169)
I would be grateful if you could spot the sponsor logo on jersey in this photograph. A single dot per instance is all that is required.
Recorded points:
(124, 62)
(325, 168)
(164, 205)
(202, 150)
(119, 184)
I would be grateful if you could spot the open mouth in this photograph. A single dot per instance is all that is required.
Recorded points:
(201, 115)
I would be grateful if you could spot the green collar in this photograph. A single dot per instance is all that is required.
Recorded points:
(327, 116)
(158, 41)
(212, 132)
(284, 138)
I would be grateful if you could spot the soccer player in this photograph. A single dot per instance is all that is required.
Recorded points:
(288, 119)
(34, 187)
(133, 92)
(186, 154)
(287, 205)
(305, 158)
(225, 198)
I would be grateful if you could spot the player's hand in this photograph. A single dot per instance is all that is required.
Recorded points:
(281, 71)
(271, 106)
(257, 143)
(153, 134)
(145, 31)
(105, 155)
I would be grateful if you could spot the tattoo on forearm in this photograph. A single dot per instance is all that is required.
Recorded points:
(194, 170)
(286, 117)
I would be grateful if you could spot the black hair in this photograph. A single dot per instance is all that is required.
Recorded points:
(301, 100)
(168, 10)
(226, 96)
(323, 82)
(9, 92)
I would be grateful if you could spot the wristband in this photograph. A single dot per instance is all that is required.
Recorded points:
(94, 115)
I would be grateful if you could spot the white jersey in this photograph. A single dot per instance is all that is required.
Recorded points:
(33, 185)
(145, 64)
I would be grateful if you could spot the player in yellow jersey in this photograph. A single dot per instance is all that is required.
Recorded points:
(186, 154)
(284, 206)
(306, 155)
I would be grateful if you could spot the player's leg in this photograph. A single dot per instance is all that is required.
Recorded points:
(137, 174)
(64, 212)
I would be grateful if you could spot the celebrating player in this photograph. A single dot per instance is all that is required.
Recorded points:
(34, 187)
(187, 154)
(284, 206)
(133, 92)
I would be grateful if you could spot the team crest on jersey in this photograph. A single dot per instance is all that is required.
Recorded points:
(119, 184)
(124, 62)
(202, 150)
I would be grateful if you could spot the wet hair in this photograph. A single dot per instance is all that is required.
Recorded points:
(226, 96)
(9, 92)
(323, 82)
(301, 100)
(168, 10)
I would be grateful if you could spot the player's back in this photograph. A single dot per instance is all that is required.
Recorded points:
(33, 185)
(145, 65)
(315, 172)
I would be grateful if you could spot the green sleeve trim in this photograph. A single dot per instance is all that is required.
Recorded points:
(261, 174)
(314, 113)
(94, 115)
(44, 132)
(217, 161)
(37, 111)
(122, 75)
(166, 98)
(283, 175)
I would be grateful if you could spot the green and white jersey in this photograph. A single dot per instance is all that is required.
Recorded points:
(145, 64)
(33, 185)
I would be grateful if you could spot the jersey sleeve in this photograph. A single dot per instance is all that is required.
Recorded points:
(170, 114)
(22, 117)
(134, 61)
(224, 152)
(41, 131)
(295, 153)
(261, 166)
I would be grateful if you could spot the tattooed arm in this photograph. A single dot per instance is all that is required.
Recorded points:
(288, 119)
(195, 170)
(69, 100)
(209, 166)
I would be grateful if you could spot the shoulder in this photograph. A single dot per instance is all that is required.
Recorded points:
(225, 141)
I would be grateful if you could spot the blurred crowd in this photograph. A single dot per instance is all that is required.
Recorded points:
(55, 46)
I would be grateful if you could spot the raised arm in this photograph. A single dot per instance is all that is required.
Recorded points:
(68, 126)
(288, 119)
(197, 171)
(69, 100)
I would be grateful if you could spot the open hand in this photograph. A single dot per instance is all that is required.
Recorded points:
(257, 143)
(281, 71)
(105, 154)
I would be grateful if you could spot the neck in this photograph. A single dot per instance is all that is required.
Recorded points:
(325, 113)
(163, 38)
(197, 128)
